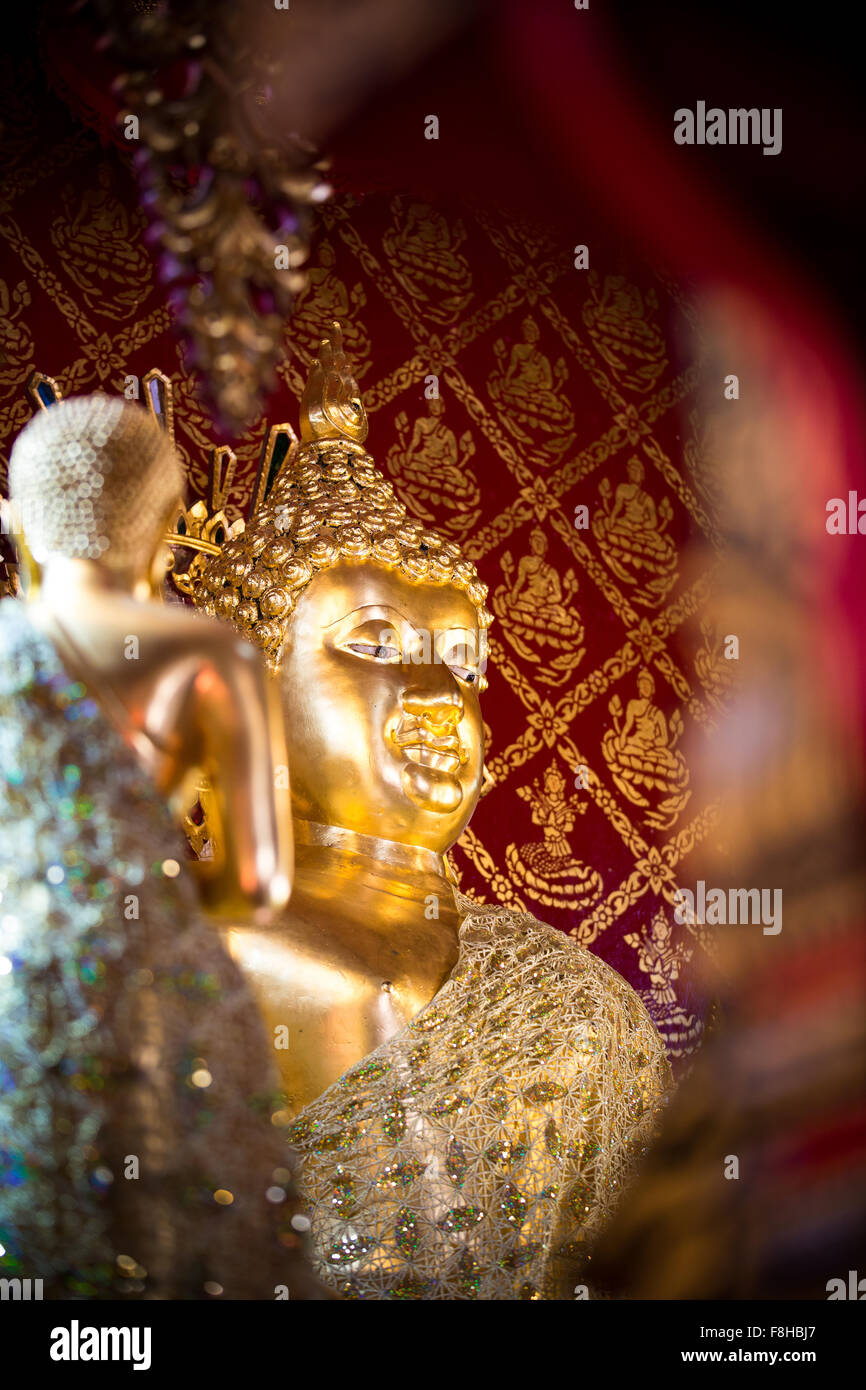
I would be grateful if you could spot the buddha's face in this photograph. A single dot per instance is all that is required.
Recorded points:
(380, 684)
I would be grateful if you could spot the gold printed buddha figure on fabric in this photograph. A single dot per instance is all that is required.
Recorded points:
(469, 1090)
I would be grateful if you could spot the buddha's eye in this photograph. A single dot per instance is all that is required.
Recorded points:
(460, 658)
(374, 651)
(464, 674)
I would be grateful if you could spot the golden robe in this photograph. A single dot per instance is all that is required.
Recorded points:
(478, 1152)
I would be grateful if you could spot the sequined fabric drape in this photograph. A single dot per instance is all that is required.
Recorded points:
(478, 1153)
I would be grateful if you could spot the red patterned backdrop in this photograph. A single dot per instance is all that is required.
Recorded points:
(561, 389)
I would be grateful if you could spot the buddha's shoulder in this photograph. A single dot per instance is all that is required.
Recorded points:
(514, 943)
(506, 936)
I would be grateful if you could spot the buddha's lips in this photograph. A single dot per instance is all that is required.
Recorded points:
(444, 752)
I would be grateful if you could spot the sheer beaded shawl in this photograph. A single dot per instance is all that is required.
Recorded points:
(478, 1153)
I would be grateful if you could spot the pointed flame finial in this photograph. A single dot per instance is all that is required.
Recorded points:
(331, 406)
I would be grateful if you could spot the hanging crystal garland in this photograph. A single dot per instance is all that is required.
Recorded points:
(229, 208)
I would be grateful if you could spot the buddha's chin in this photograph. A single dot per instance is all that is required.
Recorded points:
(431, 788)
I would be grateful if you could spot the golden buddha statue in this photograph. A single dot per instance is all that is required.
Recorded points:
(469, 1088)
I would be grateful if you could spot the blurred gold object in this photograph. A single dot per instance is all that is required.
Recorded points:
(94, 482)
(775, 1097)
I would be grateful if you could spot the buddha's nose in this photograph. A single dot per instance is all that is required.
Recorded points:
(437, 706)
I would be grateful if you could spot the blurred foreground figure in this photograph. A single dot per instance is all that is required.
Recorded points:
(137, 1152)
(757, 1187)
